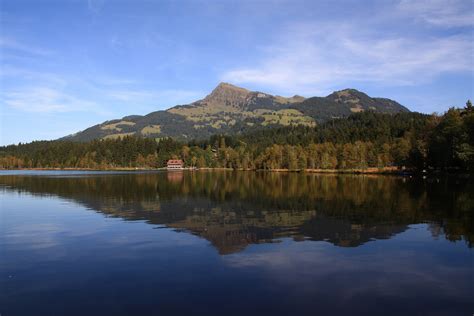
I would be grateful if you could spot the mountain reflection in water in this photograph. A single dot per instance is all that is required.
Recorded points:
(234, 209)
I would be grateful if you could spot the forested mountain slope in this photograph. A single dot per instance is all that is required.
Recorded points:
(229, 109)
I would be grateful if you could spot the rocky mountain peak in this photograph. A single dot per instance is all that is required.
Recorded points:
(349, 96)
(296, 98)
(345, 93)
(228, 94)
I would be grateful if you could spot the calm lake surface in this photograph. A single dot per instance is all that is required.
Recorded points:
(234, 243)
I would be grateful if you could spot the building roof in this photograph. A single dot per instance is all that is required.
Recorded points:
(175, 162)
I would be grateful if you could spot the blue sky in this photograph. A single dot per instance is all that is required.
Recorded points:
(67, 65)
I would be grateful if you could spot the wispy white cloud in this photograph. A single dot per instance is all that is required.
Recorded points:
(46, 100)
(109, 81)
(14, 45)
(115, 42)
(95, 6)
(18, 73)
(317, 262)
(129, 95)
(315, 57)
(40, 92)
(172, 95)
(447, 13)
(43, 92)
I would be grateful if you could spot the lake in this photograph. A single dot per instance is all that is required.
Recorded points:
(234, 243)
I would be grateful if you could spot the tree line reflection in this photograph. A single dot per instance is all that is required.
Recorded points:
(235, 209)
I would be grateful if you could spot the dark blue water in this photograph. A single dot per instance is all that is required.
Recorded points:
(234, 243)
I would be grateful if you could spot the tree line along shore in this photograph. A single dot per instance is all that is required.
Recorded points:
(364, 142)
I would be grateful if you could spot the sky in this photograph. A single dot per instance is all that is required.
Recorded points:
(67, 65)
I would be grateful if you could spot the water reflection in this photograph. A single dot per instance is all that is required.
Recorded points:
(235, 209)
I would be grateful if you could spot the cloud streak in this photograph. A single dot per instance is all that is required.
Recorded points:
(43, 92)
(46, 100)
(445, 13)
(95, 6)
(13, 45)
(312, 57)
(130, 95)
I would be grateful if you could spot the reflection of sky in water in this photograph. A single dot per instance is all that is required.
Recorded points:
(388, 268)
(58, 257)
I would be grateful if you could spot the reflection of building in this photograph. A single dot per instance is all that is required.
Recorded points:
(175, 176)
(175, 164)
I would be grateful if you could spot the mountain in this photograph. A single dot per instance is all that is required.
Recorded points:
(344, 103)
(229, 109)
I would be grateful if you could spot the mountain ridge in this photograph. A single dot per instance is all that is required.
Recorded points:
(230, 109)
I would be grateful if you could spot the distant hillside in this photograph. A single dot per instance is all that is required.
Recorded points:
(344, 103)
(229, 109)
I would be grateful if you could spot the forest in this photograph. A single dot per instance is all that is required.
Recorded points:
(363, 140)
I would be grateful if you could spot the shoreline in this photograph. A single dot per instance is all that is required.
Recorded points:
(395, 171)
(387, 171)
